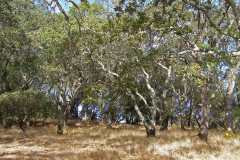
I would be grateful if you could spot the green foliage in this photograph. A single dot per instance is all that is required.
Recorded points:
(26, 104)
(19, 60)
(36, 48)
(236, 117)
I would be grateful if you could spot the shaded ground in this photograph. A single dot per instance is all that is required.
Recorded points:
(89, 140)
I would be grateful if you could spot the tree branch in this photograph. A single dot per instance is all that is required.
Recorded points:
(67, 27)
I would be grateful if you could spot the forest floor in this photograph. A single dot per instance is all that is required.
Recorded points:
(92, 141)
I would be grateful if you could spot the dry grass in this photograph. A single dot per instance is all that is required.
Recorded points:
(88, 140)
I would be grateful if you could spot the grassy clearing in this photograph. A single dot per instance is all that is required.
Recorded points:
(91, 140)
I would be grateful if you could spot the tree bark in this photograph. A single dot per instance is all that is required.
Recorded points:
(238, 96)
(76, 112)
(109, 120)
(112, 110)
(84, 113)
(153, 123)
(164, 126)
(182, 121)
(66, 114)
(1, 118)
(203, 134)
(150, 132)
(229, 98)
(199, 125)
(60, 120)
(190, 117)
(229, 113)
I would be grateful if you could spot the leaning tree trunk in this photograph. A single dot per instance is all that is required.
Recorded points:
(229, 101)
(203, 134)
(150, 132)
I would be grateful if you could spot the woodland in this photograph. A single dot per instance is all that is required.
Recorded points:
(153, 64)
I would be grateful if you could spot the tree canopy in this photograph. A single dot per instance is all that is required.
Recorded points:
(135, 61)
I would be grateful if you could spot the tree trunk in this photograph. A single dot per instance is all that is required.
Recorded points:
(203, 134)
(199, 125)
(192, 124)
(150, 133)
(84, 112)
(65, 117)
(160, 120)
(66, 114)
(109, 120)
(190, 117)
(1, 118)
(229, 114)
(60, 120)
(76, 112)
(44, 120)
(182, 121)
(229, 101)
(153, 123)
(238, 96)
(164, 126)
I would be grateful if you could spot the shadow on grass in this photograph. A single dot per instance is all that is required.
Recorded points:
(89, 140)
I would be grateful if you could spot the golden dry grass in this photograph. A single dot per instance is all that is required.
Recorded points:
(91, 140)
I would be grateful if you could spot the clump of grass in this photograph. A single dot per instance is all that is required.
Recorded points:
(229, 135)
(92, 140)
